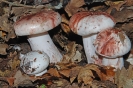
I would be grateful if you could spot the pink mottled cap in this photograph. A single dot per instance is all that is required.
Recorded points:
(87, 23)
(37, 23)
(112, 43)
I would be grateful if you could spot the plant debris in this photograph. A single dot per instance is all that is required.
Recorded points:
(73, 71)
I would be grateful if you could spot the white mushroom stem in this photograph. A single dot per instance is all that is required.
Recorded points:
(43, 42)
(114, 62)
(89, 48)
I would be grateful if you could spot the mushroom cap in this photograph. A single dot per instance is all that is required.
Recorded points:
(34, 62)
(112, 43)
(87, 23)
(37, 23)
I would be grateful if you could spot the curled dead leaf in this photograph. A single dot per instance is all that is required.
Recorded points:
(127, 28)
(74, 6)
(3, 48)
(129, 2)
(10, 80)
(108, 73)
(14, 63)
(65, 24)
(70, 52)
(53, 72)
(4, 73)
(86, 73)
(120, 17)
(116, 4)
(123, 77)
(65, 73)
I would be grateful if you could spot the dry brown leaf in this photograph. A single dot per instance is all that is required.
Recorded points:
(130, 72)
(70, 52)
(97, 8)
(10, 80)
(121, 36)
(2, 34)
(102, 84)
(61, 83)
(60, 39)
(116, 4)
(69, 70)
(3, 48)
(22, 11)
(127, 28)
(86, 75)
(120, 17)
(74, 6)
(63, 66)
(4, 73)
(72, 79)
(20, 78)
(74, 73)
(65, 24)
(108, 73)
(129, 2)
(65, 73)
(123, 77)
(6, 27)
(77, 57)
(14, 63)
(129, 59)
(53, 72)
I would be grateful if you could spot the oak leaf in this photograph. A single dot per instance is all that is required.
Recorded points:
(86, 73)
(74, 6)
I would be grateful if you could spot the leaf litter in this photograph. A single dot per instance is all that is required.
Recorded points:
(73, 71)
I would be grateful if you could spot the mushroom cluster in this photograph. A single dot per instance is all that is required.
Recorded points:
(89, 25)
(36, 27)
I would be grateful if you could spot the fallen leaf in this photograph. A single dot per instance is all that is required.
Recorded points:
(74, 6)
(65, 24)
(65, 73)
(86, 75)
(20, 78)
(127, 28)
(14, 63)
(77, 57)
(70, 52)
(123, 77)
(121, 36)
(61, 82)
(129, 2)
(114, 5)
(108, 73)
(10, 80)
(120, 17)
(3, 48)
(72, 79)
(63, 66)
(53, 72)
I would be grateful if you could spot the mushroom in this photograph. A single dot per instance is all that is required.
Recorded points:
(112, 44)
(88, 25)
(35, 26)
(34, 63)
